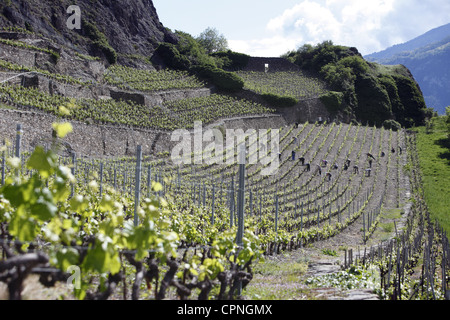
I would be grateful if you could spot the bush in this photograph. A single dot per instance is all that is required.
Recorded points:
(232, 60)
(411, 97)
(279, 101)
(392, 124)
(374, 105)
(333, 101)
(99, 41)
(109, 53)
(171, 57)
(221, 79)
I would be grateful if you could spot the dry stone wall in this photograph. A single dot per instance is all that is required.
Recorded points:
(274, 65)
(109, 141)
(158, 98)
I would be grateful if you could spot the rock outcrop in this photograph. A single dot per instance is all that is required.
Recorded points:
(130, 27)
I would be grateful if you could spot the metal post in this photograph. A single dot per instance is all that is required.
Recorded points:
(74, 156)
(276, 215)
(115, 178)
(204, 194)
(251, 202)
(18, 142)
(241, 203)
(301, 219)
(3, 163)
(149, 181)
(212, 205)
(137, 191)
(232, 202)
(241, 196)
(101, 179)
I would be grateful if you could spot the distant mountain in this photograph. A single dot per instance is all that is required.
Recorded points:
(428, 59)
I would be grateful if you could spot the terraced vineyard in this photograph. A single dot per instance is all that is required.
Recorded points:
(284, 83)
(146, 228)
(144, 80)
(182, 242)
(166, 116)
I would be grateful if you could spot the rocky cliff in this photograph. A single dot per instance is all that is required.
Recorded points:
(128, 27)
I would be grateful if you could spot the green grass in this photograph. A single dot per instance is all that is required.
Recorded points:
(277, 280)
(434, 157)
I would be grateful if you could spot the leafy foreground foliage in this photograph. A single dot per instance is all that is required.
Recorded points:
(58, 231)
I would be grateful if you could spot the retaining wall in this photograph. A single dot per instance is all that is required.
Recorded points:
(108, 140)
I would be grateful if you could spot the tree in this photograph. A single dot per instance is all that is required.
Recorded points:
(212, 41)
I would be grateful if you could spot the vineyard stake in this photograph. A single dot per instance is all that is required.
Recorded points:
(364, 227)
(251, 202)
(301, 219)
(149, 180)
(3, 163)
(199, 196)
(241, 198)
(137, 190)
(73, 172)
(19, 133)
(212, 205)
(241, 204)
(204, 194)
(101, 179)
(276, 215)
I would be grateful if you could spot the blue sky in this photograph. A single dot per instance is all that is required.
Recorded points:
(270, 28)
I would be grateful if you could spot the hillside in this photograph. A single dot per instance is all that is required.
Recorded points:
(95, 203)
(361, 90)
(427, 58)
(126, 28)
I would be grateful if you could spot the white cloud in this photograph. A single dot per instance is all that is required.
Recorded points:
(266, 47)
(368, 25)
(349, 22)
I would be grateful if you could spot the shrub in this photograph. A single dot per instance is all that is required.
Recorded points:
(232, 60)
(392, 124)
(333, 101)
(222, 79)
(172, 57)
(374, 105)
(412, 98)
(99, 41)
(279, 101)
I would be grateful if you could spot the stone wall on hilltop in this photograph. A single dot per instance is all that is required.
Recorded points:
(274, 64)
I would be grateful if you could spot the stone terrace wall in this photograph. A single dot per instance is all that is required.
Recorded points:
(110, 141)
